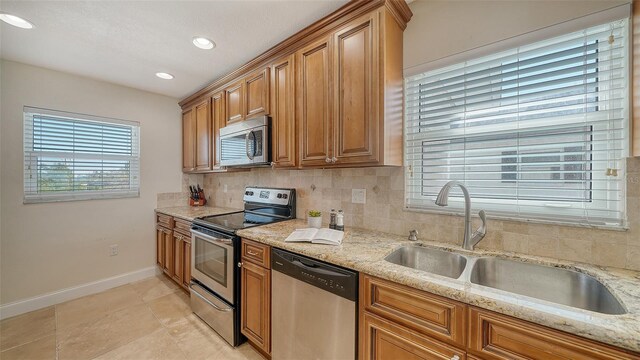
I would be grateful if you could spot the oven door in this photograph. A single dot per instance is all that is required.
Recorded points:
(212, 262)
(244, 147)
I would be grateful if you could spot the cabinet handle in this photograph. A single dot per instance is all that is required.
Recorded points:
(455, 357)
(239, 264)
(252, 253)
(334, 160)
(327, 160)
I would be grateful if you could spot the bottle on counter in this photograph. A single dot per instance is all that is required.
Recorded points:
(332, 219)
(340, 220)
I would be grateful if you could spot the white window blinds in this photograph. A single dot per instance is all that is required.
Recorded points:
(536, 132)
(78, 157)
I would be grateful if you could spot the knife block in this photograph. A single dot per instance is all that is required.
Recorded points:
(201, 202)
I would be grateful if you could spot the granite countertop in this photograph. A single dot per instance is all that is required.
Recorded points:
(364, 251)
(191, 212)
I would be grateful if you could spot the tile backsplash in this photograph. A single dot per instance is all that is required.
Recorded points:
(180, 198)
(384, 211)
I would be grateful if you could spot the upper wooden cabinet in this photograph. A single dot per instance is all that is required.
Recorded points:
(349, 95)
(188, 140)
(313, 98)
(203, 136)
(248, 97)
(283, 125)
(218, 122)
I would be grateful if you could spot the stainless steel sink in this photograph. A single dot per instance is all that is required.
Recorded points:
(556, 285)
(430, 260)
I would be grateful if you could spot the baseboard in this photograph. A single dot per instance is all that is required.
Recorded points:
(57, 297)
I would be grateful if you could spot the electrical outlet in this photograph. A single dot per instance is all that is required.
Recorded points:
(113, 250)
(359, 196)
(224, 188)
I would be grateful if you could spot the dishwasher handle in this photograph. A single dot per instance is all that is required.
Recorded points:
(317, 269)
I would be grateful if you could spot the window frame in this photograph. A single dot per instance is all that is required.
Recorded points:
(31, 158)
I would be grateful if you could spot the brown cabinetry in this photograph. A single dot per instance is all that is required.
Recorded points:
(196, 138)
(188, 141)
(173, 248)
(283, 125)
(248, 97)
(218, 121)
(255, 283)
(399, 322)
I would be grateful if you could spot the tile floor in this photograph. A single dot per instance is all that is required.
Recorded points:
(149, 319)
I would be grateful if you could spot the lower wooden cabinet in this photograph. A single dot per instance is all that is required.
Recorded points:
(255, 293)
(173, 249)
(400, 322)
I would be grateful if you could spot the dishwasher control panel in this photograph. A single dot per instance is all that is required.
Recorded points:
(331, 278)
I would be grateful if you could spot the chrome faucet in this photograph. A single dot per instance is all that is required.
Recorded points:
(470, 241)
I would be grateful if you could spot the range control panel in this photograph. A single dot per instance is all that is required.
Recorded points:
(268, 195)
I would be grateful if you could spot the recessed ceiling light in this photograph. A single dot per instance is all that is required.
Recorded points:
(16, 21)
(203, 43)
(164, 75)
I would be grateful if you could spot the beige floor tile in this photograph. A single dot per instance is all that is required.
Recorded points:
(154, 287)
(171, 308)
(43, 348)
(242, 352)
(157, 345)
(96, 337)
(27, 327)
(95, 306)
(197, 340)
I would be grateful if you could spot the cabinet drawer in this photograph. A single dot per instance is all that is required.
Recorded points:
(183, 226)
(429, 314)
(256, 253)
(381, 339)
(164, 220)
(495, 336)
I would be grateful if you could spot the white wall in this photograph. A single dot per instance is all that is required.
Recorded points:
(441, 28)
(48, 247)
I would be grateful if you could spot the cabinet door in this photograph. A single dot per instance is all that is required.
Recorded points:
(283, 116)
(256, 305)
(234, 102)
(168, 253)
(381, 339)
(188, 141)
(203, 136)
(160, 247)
(177, 257)
(314, 103)
(218, 121)
(257, 93)
(355, 78)
(186, 272)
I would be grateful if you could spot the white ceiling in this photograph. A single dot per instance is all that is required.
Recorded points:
(127, 42)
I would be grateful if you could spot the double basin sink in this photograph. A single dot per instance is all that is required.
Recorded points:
(556, 285)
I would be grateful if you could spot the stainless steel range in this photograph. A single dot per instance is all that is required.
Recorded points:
(215, 283)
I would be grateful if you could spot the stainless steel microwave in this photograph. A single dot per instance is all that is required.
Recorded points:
(245, 143)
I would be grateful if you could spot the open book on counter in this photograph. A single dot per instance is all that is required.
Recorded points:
(316, 236)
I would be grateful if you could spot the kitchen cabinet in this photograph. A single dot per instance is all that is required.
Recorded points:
(218, 122)
(350, 113)
(314, 103)
(400, 322)
(255, 293)
(248, 97)
(173, 248)
(188, 141)
(283, 117)
(196, 138)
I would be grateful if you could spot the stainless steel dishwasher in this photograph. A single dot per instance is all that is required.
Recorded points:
(314, 309)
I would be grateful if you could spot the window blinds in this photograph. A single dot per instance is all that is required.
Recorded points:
(536, 132)
(78, 157)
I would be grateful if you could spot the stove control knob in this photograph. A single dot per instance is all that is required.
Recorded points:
(284, 196)
(279, 196)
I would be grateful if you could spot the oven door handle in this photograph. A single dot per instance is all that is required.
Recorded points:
(207, 300)
(211, 239)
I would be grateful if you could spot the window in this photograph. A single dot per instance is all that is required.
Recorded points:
(79, 157)
(536, 132)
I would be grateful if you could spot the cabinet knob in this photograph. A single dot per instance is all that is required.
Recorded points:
(455, 357)
(327, 160)
(239, 264)
(334, 160)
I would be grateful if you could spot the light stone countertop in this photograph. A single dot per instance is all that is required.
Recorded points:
(191, 212)
(364, 251)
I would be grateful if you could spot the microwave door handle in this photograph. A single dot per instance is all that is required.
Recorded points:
(246, 143)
